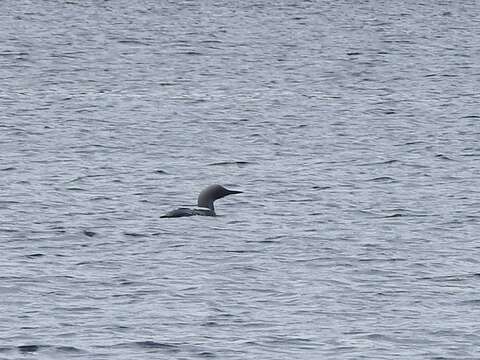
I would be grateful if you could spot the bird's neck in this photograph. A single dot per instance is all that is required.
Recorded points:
(206, 204)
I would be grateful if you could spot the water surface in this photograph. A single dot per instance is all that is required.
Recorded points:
(352, 129)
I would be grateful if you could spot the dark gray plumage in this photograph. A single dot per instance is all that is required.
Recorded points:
(205, 202)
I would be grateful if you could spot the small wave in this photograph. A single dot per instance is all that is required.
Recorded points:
(149, 344)
(443, 157)
(8, 202)
(210, 323)
(266, 241)
(34, 348)
(417, 166)
(191, 52)
(78, 178)
(386, 162)
(76, 310)
(89, 233)
(34, 256)
(206, 354)
(226, 163)
(382, 179)
(211, 41)
(29, 348)
(316, 187)
(8, 230)
(292, 340)
(132, 42)
(241, 251)
(416, 142)
(99, 198)
(471, 302)
(393, 215)
(75, 189)
(69, 349)
(449, 75)
(134, 234)
(13, 53)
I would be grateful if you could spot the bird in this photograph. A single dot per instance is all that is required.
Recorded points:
(204, 203)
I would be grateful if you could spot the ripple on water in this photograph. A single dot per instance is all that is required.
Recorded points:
(52, 349)
(358, 228)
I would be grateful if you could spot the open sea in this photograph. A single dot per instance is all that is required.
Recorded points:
(352, 127)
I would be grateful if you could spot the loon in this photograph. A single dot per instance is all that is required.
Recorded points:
(205, 202)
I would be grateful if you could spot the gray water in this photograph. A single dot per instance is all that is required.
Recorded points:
(352, 128)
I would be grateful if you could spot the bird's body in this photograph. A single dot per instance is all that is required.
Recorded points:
(183, 211)
(205, 203)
